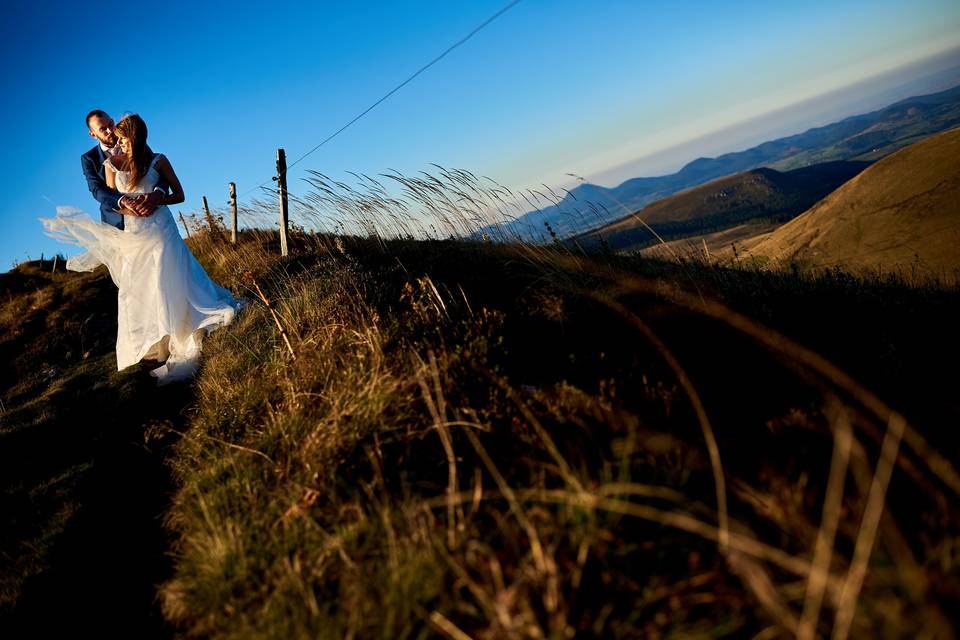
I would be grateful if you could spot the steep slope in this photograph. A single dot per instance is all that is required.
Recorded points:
(81, 488)
(902, 212)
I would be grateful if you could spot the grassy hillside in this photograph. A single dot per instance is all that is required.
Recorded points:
(709, 246)
(502, 441)
(468, 437)
(903, 212)
(760, 194)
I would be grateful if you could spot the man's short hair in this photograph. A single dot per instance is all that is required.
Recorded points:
(99, 113)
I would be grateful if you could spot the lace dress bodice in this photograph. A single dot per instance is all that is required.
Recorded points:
(147, 183)
(161, 216)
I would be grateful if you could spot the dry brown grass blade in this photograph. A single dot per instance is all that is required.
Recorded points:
(913, 578)
(536, 548)
(493, 608)
(681, 521)
(440, 424)
(872, 511)
(757, 580)
(770, 633)
(393, 550)
(219, 441)
(611, 489)
(823, 550)
(441, 624)
(545, 565)
(673, 519)
(248, 276)
(708, 435)
(645, 490)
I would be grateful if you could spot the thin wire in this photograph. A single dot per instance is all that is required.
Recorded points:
(395, 89)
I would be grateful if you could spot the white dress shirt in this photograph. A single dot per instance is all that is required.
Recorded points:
(110, 151)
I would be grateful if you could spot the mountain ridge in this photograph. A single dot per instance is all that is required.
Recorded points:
(760, 193)
(867, 136)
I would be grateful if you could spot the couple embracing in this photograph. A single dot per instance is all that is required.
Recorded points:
(166, 301)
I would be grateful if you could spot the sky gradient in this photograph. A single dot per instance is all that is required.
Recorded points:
(607, 90)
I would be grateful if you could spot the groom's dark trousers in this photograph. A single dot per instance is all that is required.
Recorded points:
(93, 171)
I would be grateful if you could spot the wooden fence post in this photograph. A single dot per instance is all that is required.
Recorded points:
(282, 183)
(206, 209)
(54, 270)
(184, 223)
(233, 208)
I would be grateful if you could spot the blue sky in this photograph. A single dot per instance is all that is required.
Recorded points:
(601, 89)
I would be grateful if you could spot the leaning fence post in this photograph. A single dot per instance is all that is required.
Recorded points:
(282, 184)
(233, 208)
(54, 270)
(184, 223)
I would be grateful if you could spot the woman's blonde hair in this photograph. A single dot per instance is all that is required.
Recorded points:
(133, 128)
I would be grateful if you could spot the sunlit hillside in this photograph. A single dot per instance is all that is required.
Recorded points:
(901, 213)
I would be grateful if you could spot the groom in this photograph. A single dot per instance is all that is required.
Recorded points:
(100, 126)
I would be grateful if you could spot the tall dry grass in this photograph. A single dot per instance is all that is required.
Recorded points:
(378, 454)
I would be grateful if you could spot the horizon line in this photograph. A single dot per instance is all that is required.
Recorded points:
(943, 53)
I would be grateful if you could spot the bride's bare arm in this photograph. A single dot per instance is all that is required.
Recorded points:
(176, 195)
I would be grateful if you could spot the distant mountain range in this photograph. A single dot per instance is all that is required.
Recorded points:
(865, 137)
(763, 193)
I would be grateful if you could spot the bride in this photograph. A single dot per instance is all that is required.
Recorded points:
(166, 302)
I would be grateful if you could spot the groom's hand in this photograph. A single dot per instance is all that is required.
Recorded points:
(150, 201)
(139, 205)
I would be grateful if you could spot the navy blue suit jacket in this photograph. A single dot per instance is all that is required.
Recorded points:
(93, 171)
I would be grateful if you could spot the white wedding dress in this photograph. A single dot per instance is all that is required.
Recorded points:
(166, 301)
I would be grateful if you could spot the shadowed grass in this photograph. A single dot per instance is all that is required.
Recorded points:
(465, 444)
(81, 545)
